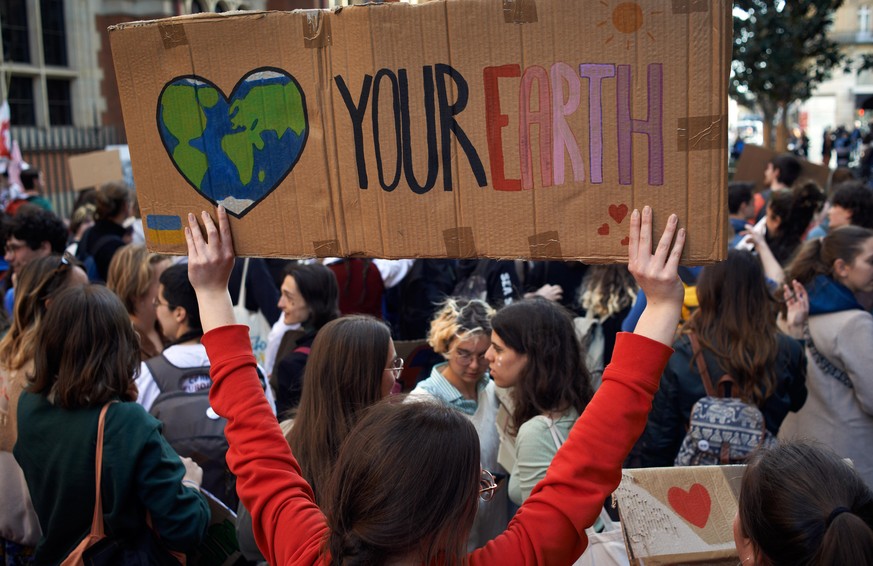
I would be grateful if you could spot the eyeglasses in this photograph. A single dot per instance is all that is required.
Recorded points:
(157, 303)
(12, 248)
(466, 358)
(396, 368)
(487, 485)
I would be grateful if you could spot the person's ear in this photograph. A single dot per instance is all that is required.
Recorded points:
(841, 268)
(180, 315)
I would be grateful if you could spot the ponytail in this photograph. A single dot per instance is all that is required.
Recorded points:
(817, 257)
(848, 539)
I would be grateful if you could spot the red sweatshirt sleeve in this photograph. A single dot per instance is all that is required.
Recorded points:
(288, 526)
(549, 527)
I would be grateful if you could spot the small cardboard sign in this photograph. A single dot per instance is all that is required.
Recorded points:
(96, 168)
(679, 515)
(452, 128)
(754, 159)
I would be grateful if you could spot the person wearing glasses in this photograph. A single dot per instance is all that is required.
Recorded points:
(407, 480)
(38, 283)
(352, 365)
(461, 333)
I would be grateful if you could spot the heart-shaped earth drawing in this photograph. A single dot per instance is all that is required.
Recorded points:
(234, 150)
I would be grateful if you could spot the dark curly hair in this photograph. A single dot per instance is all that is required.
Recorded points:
(35, 226)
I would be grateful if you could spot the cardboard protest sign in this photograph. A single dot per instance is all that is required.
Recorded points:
(754, 159)
(96, 168)
(679, 515)
(454, 128)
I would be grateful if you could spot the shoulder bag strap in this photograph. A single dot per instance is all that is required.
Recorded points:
(97, 533)
(823, 363)
(701, 365)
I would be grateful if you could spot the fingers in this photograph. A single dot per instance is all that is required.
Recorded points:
(224, 231)
(645, 247)
(196, 237)
(676, 252)
(211, 230)
(666, 239)
(634, 241)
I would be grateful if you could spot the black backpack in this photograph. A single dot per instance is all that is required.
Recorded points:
(191, 427)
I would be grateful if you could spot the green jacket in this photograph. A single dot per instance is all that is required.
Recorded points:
(56, 449)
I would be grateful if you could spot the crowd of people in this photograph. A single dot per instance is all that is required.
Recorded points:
(534, 383)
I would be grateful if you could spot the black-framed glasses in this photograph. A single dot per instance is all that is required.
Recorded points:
(487, 485)
(396, 367)
(466, 357)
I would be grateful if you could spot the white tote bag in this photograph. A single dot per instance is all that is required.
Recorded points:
(605, 548)
(259, 328)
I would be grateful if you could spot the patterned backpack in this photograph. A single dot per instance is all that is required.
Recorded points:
(722, 429)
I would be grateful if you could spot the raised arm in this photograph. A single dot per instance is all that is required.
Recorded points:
(549, 527)
(287, 524)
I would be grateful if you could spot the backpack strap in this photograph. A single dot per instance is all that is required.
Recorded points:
(697, 353)
(302, 350)
(724, 381)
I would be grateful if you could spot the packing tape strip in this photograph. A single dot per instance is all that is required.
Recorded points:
(519, 11)
(690, 6)
(696, 133)
(326, 248)
(545, 245)
(316, 29)
(459, 242)
(173, 35)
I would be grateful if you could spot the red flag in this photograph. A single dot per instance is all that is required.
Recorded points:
(5, 134)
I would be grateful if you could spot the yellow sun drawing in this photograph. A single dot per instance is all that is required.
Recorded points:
(627, 18)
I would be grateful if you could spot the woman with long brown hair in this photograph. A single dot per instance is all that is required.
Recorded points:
(839, 411)
(36, 286)
(407, 479)
(736, 328)
(534, 350)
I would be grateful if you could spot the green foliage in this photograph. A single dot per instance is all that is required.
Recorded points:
(782, 51)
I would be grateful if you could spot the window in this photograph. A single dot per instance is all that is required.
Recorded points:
(864, 19)
(60, 105)
(22, 107)
(196, 7)
(221, 7)
(16, 44)
(54, 37)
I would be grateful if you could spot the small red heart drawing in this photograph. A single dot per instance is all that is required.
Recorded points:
(618, 213)
(603, 230)
(626, 241)
(693, 505)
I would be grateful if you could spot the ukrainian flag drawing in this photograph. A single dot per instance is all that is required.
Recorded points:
(164, 229)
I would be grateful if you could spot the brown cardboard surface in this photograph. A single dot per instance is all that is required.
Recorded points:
(679, 515)
(95, 168)
(453, 128)
(753, 161)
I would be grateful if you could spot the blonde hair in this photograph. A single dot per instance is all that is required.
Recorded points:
(461, 319)
(607, 290)
(131, 272)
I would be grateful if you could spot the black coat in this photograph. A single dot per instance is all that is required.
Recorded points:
(681, 387)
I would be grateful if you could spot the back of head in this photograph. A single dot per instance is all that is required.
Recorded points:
(37, 283)
(36, 225)
(795, 209)
(405, 486)
(110, 200)
(81, 216)
(130, 273)
(317, 284)
(789, 168)
(817, 256)
(555, 377)
(29, 179)
(857, 198)
(343, 376)
(87, 352)
(745, 345)
(459, 319)
(801, 504)
(178, 292)
(607, 290)
(738, 195)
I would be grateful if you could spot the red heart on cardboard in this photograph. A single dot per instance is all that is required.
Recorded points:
(618, 213)
(693, 505)
(626, 241)
(603, 230)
